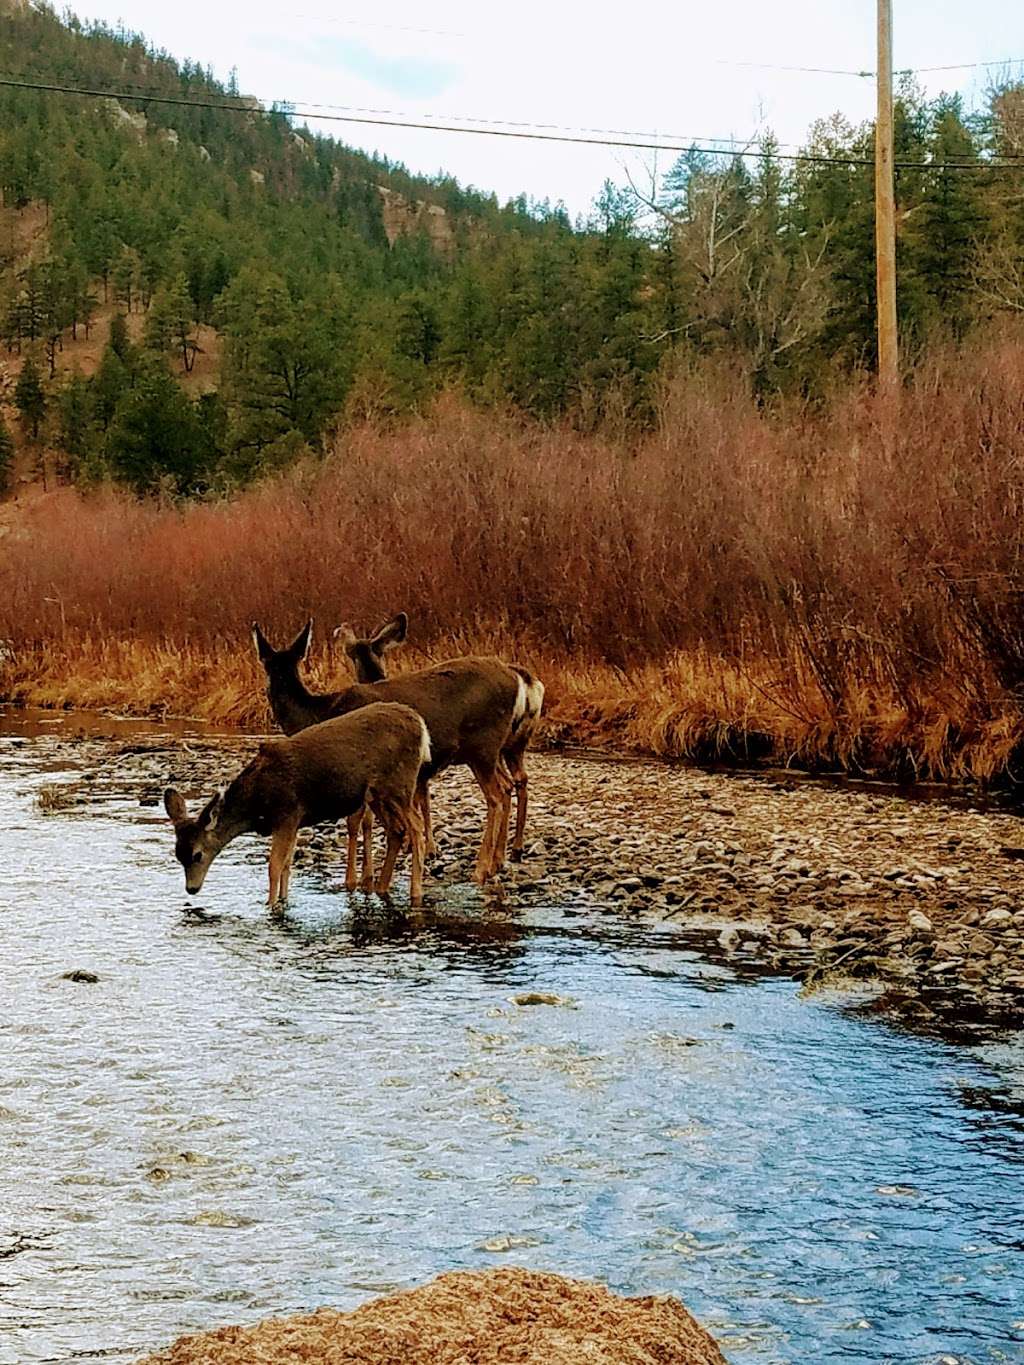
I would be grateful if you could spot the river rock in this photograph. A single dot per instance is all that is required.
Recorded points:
(995, 917)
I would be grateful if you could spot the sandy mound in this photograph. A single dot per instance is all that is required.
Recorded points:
(493, 1317)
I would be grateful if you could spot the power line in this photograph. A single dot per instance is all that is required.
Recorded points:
(960, 66)
(870, 75)
(285, 105)
(814, 158)
(809, 70)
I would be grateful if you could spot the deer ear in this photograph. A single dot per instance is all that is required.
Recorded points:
(212, 812)
(174, 805)
(346, 635)
(263, 648)
(392, 633)
(299, 647)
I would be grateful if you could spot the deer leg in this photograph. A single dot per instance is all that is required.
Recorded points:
(367, 821)
(394, 833)
(416, 839)
(352, 823)
(490, 786)
(501, 839)
(517, 772)
(423, 798)
(282, 846)
(286, 871)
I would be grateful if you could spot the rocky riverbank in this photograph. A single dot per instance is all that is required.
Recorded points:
(790, 875)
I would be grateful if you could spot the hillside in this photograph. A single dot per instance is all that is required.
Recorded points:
(202, 293)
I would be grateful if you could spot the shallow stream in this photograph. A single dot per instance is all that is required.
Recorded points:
(243, 1117)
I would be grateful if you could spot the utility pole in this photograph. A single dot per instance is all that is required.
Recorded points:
(885, 210)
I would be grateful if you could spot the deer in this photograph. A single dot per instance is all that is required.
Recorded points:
(368, 658)
(369, 757)
(473, 706)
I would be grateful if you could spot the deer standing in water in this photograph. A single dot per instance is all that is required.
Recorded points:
(472, 707)
(367, 656)
(369, 757)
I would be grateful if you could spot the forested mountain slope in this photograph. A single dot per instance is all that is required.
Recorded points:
(194, 295)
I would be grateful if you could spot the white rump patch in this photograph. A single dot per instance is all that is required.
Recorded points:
(424, 743)
(534, 698)
(519, 710)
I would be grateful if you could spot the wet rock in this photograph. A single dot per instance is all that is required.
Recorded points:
(995, 917)
(508, 1242)
(81, 976)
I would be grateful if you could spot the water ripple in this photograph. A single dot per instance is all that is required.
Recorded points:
(242, 1117)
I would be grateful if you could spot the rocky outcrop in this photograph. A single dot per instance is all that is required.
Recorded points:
(489, 1317)
(405, 217)
(131, 119)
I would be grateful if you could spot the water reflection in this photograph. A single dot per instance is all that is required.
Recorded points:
(242, 1116)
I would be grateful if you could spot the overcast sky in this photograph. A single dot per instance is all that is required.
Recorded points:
(672, 69)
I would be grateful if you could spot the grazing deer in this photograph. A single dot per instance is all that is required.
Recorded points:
(472, 707)
(372, 757)
(292, 719)
(369, 665)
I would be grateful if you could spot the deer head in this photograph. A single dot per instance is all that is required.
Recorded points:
(367, 655)
(282, 662)
(196, 841)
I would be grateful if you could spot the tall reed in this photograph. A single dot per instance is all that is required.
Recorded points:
(806, 583)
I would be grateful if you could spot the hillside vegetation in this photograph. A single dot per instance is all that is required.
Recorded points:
(313, 285)
(810, 589)
(642, 453)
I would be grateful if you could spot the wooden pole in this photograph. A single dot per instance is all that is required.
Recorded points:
(885, 210)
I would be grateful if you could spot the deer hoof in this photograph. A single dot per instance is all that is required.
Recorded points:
(516, 855)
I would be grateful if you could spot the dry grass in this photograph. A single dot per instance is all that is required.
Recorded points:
(806, 586)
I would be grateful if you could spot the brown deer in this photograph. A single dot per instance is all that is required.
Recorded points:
(367, 656)
(372, 757)
(472, 707)
(293, 719)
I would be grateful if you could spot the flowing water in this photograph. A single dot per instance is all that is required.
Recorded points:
(243, 1117)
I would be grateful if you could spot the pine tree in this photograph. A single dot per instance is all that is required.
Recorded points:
(127, 276)
(118, 340)
(154, 434)
(169, 323)
(74, 415)
(283, 366)
(108, 385)
(30, 398)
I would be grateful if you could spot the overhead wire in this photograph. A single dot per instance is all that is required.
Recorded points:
(177, 101)
(285, 105)
(870, 75)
